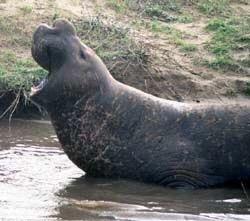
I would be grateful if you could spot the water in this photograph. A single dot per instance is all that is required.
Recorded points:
(38, 181)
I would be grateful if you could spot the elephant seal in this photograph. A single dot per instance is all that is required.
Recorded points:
(109, 129)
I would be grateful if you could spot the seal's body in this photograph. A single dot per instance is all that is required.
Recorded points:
(109, 129)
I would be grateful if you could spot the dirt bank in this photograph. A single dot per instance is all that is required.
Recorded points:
(181, 50)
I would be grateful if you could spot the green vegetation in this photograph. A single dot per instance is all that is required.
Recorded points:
(110, 42)
(16, 78)
(185, 18)
(229, 36)
(188, 47)
(245, 62)
(18, 74)
(26, 9)
(156, 9)
(13, 32)
(157, 26)
(118, 5)
(161, 11)
(214, 7)
(247, 89)
(175, 36)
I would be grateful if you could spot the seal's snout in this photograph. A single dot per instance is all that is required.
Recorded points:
(40, 45)
(64, 26)
(48, 40)
(60, 26)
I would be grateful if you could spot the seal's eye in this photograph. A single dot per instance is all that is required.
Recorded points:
(82, 55)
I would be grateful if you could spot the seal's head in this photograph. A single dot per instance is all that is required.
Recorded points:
(69, 62)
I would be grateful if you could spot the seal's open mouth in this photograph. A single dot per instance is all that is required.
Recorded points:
(39, 87)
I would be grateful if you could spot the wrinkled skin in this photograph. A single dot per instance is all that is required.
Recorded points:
(109, 129)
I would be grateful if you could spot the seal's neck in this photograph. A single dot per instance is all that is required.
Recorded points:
(96, 84)
(104, 80)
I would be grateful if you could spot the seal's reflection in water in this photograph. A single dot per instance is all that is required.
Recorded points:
(100, 199)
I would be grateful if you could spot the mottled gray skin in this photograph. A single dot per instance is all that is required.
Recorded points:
(109, 129)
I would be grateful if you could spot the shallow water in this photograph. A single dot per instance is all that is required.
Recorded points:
(38, 181)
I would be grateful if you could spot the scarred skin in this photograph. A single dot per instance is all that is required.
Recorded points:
(109, 129)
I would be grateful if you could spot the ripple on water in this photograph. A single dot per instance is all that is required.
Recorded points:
(30, 176)
(29, 179)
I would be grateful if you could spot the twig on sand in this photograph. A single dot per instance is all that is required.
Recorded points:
(244, 190)
(16, 102)
(12, 106)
